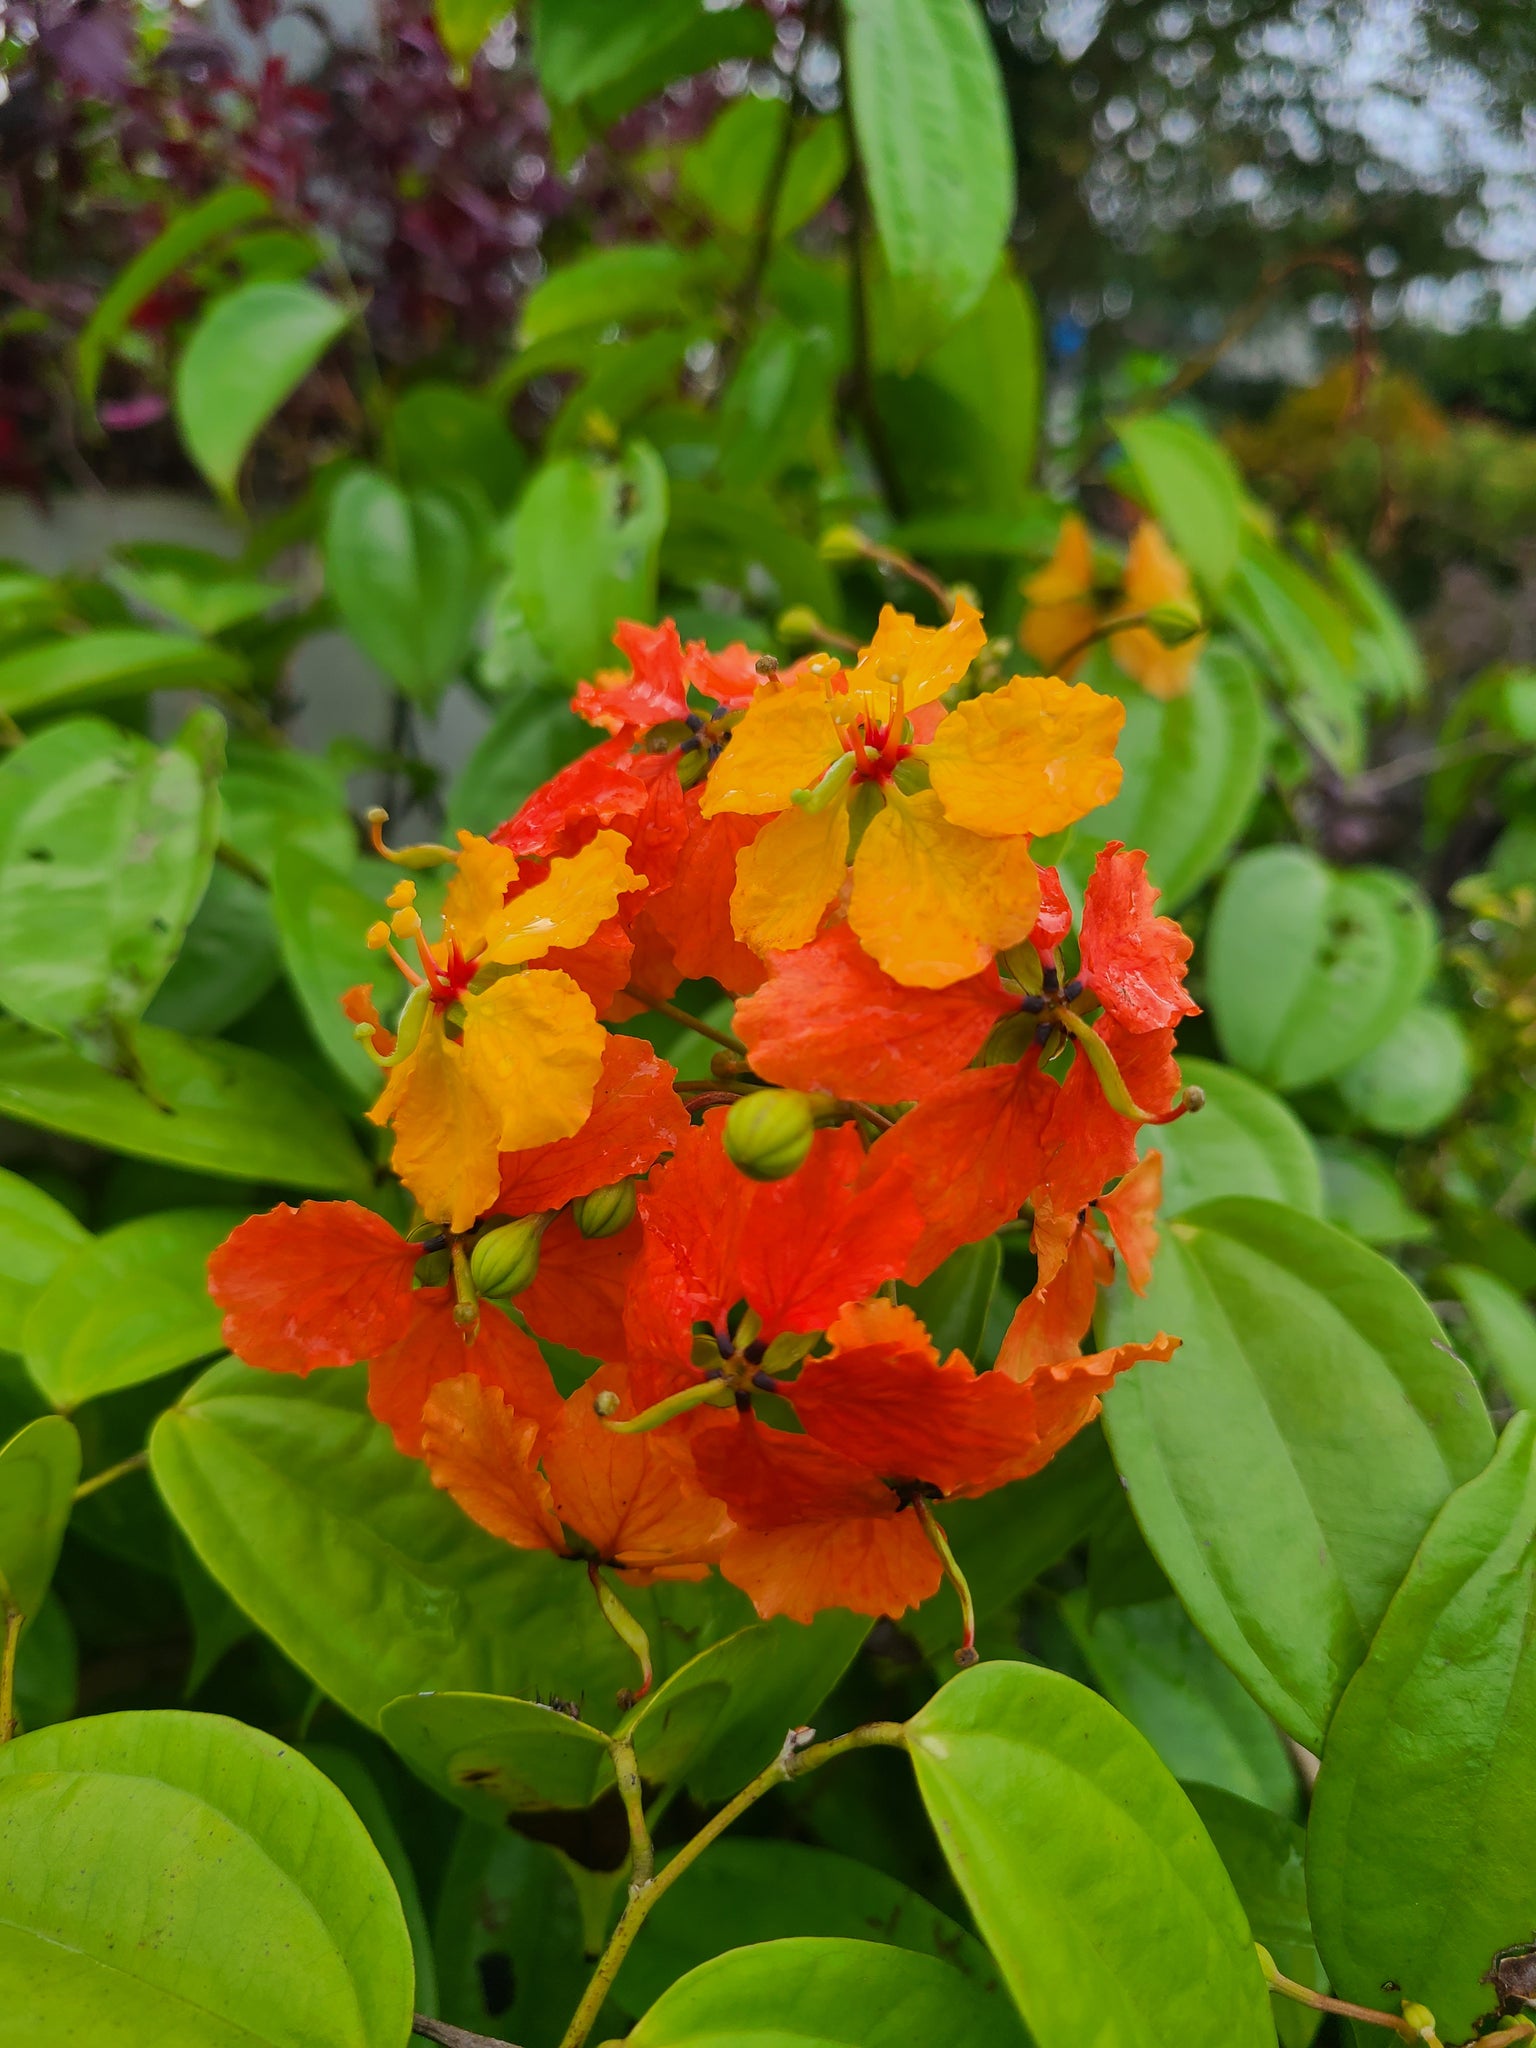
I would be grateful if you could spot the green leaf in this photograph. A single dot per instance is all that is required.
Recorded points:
(1265, 1857)
(127, 1307)
(745, 1892)
(443, 435)
(248, 353)
(532, 737)
(934, 147)
(585, 51)
(322, 923)
(1194, 768)
(1149, 1661)
(584, 547)
(782, 387)
(228, 959)
(39, 1470)
(727, 173)
(216, 1108)
(742, 541)
(463, 25)
(272, 794)
(1193, 489)
(352, 1778)
(1087, 1871)
(37, 1234)
(1361, 1195)
(510, 1936)
(1304, 641)
(120, 662)
(1504, 1326)
(961, 430)
(105, 849)
(627, 284)
(1416, 1077)
(1388, 652)
(203, 592)
(1285, 1464)
(184, 237)
(954, 1300)
(1417, 1858)
(303, 1510)
(183, 1879)
(1244, 1142)
(823, 1994)
(403, 572)
(1309, 967)
(47, 1669)
(496, 1756)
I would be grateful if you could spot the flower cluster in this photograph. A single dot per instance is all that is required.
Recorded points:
(928, 1045)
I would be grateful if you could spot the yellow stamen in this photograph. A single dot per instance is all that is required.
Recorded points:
(378, 936)
(406, 923)
(402, 894)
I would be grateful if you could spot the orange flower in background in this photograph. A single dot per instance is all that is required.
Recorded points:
(568, 1485)
(931, 813)
(494, 1055)
(330, 1284)
(1155, 576)
(1060, 615)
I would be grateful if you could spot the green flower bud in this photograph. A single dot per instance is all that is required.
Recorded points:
(768, 1135)
(506, 1259)
(799, 623)
(606, 1211)
(842, 544)
(1174, 624)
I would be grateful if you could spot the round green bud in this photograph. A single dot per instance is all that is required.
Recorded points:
(506, 1259)
(842, 544)
(1174, 624)
(606, 1211)
(768, 1134)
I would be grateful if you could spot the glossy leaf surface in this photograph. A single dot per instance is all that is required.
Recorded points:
(39, 1469)
(1245, 1141)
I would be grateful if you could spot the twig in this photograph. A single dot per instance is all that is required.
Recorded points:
(105, 1478)
(232, 858)
(451, 2037)
(676, 1014)
(1320, 2001)
(792, 1761)
(13, 1621)
(1409, 767)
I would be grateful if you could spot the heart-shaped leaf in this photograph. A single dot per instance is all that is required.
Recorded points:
(1265, 1857)
(1416, 1078)
(403, 570)
(248, 353)
(39, 1469)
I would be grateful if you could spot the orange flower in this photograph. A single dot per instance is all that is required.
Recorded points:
(520, 1064)
(1155, 576)
(568, 1485)
(1051, 1322)
(1133, 961)
(662, 672)
(635, 1117)
(328, 1284)
(1059, 615)
(933, 813)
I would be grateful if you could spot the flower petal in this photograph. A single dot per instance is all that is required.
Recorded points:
(577, 1296)
(447, 1132)
(784, 742)
(1034, 756)
(482, 1452)
(535, 1051)
(433, 1348)
(650, 694)
(1133, 960)
(786, 878)
(1131, 1213)
(325, 1284)
(477, 891)
(924, 660)
(635, 1117)
(933, 902)
(567, 907)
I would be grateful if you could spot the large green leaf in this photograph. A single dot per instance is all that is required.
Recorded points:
(747, 1891)
(120, 661)
(1285, 1464)
(1150, 1662)
(37, 1234)
(248, 353)
(185, 236)
(1193, 488)
(1416, 1078)
(935, 148)
(352, 1778)
(1265, 1858)
(609, 61)
(1193, 770)
(1245, 1141)
(1417, 1856)
(403, 570)
(781, 389)
(275, 793)
(1309, 967)
(127, 1307)
(1361, 1194)
(1505, 1328)
(443, 435)
(186, 1880)
(216, 1108)
(322, 922)
(496, 1756)
(303, 1510)
(584, 549)
(1303, 639)
(953, 1302)
(39, 1469)
(1086, 1868)
(727, 172)
(105, 849)
(228, 959)
(194, 588)
(824, 1994)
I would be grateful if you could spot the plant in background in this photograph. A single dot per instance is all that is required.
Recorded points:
(703, 1225)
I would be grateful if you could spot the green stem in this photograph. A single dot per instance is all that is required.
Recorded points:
(1320, 2001)
(966, 1655)
(791, 1762)
(676, 1014)
(112, 1472)
(642, 1852)
(13, 1621)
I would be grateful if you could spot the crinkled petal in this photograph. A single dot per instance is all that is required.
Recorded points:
(567, 907)
(325, 1284)
(483, 1453)
(924, 660)
(1055, 919)
(477, 891)
(434, 1348)
(787, 877)
(1050, 1324)
(1131, 1213)
(933, 902)
(599, 787)
(1087, 1143)
(1133, 960)
(1033, 757)
(635, 1117)
(690, 919)
(785, 741)
(829, 1017)
(651, 694)
(535, 1051)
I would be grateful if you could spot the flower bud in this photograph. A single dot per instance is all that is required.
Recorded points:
(606, 1211)
(842, 544)
(768, 1135)
(1174, 624)
(799, 623)
(506, 1259)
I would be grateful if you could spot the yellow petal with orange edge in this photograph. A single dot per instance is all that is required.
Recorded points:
(785, 741)
(932, 902)
(534, 1049)
(922, 660)
(478, 891)
(1032, 757)
(566, 908)
(446, 1130)
(788, 875)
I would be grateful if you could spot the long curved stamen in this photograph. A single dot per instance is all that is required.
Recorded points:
(966, 1655)
(1112, 1081)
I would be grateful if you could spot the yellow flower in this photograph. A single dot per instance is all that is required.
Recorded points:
(1059, 616)
(1061, 620)
(494, 1055)
(1154, 576)
(936, 831)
